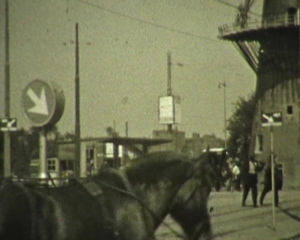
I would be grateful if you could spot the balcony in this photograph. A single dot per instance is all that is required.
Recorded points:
(271, 22)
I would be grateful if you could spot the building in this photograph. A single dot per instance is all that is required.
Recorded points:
(110, 151)
(192, 147)
(271, 48)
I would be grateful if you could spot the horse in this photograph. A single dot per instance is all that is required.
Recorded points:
(114, 205)
(190, 209)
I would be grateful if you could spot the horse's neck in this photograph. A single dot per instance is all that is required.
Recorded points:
(157, 200)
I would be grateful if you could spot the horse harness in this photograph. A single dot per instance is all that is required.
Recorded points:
(97, 193)
(95, 190)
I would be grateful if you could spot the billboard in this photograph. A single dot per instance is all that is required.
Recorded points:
(169, 111)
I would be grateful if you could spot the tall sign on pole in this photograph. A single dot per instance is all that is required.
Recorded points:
(43, 105)
(169, 110)
(270, 120)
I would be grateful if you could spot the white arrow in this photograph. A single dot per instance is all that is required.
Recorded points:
(11, 123)
(40, 106)
(269, 119)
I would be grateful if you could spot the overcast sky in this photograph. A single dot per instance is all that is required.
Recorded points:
(123, 61)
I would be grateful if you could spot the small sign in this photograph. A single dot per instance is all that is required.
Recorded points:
(8, 124)
(271, 119)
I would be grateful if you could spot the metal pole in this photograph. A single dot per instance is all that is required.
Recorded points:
(169, 87)
(225, 123)
(125, 147)
(272, 172)
(7, 153)
(77, 107)
(126, 129)
(116, 155)
(43, 154)
(223, 84)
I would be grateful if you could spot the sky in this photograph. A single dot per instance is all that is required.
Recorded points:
(123, 61)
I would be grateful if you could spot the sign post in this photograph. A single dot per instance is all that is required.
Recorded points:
(43, 154)
(43, 105)
(271, 120)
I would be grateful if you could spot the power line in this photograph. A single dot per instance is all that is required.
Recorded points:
(150, 23)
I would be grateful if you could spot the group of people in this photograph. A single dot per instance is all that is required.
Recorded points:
(245, 177)
(250, 181)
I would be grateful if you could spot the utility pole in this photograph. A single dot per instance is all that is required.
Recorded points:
(7, 153)
(77, 107)
(126, 129)
(169, 87)
(223, 84)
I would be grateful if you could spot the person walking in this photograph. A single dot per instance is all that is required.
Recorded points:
(268, 182)
(236, 177)
(250, 180)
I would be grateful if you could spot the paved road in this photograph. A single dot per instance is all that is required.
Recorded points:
(231, 221)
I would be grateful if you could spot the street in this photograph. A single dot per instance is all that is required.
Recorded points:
(231, 221)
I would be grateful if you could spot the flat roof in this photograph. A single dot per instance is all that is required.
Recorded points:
(128, 140)
(124, 140)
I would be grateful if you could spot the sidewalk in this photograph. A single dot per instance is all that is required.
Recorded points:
(230, 221)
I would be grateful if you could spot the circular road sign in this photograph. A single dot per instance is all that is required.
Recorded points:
(43, 103)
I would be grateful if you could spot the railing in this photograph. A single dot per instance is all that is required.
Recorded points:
(51, 182)
(42, 182)
(273, 21)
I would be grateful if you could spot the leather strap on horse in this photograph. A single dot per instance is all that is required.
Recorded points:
(94, 190)
(144, 205)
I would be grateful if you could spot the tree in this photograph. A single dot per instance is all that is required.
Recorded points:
(111, 132)
(240, 127)
(25, 147)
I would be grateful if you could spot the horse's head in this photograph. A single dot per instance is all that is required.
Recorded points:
(190, 208)
(169, 183)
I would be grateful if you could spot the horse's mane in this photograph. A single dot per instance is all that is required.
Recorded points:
(205, 166)
(158, 166)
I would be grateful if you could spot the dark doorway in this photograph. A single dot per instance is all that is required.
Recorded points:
(292, 15)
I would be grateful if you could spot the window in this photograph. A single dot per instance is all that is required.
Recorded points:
(89, 152)
(292, 15)
(289, 110)
(51, 165)
(259, 143)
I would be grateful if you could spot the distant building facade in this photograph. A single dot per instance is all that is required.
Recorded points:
(192, 147)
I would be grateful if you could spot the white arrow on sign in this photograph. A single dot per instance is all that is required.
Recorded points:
(10, 123)
(40, 106)
(269, 119)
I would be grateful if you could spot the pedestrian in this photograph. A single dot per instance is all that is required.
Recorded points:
(250, 179)
(236, 177)
(267, 187)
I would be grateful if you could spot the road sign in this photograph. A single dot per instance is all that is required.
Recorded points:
(271, 119)
(8, 124)
(42, 103)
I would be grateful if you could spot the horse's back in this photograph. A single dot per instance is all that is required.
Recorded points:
(15, 215)
(69, 212)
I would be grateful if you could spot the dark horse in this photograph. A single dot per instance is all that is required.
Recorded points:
(122, 205)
